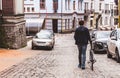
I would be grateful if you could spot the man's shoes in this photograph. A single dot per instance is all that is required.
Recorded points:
(83, 68)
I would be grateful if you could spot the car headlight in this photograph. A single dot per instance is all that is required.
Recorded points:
(105, 45)
(49, 43)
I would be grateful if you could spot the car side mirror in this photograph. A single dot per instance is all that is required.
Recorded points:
(113, 38)
(93, 37)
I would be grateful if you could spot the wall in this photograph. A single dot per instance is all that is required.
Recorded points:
(19, 6)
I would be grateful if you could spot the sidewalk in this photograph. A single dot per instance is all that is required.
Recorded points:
(10, 57)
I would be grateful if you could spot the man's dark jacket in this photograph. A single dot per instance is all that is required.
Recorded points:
(82, 36)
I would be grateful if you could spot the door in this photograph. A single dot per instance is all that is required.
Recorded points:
(114, 42)
(55, 25)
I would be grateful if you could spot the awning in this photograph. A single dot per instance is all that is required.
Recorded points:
(34, 22)
(34, 25)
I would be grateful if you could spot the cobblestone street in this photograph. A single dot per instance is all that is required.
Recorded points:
(61, 62)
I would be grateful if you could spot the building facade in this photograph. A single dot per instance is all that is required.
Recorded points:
(102, 13)
(63, 15)
(119, 13)
(12, 24)
(59, 15)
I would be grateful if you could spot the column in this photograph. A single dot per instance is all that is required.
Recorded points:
(13, 27)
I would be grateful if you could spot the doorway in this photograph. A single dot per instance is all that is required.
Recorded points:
(55, 25)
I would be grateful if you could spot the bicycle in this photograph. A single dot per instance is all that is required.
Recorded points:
(91, 59)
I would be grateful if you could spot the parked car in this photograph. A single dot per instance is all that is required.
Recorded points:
(114, 45)
(99, 40)
(47, 31)
(44, 38)
(92, 33)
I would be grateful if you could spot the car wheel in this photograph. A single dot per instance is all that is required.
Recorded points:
(53, 46)
(95, 52)
(50, 48)
(117, 56)
(108, 54)
(33, 48)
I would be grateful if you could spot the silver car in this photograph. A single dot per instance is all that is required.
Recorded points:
(99, 40)
(44, 38)
(114, 45)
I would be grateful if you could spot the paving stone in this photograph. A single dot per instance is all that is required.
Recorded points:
(62, 62)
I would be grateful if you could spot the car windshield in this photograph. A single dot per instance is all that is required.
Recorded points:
(43, 36)
(119, 33)
(103, 35)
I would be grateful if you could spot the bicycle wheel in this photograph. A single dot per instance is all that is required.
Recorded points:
(91, 59)
(91, 66)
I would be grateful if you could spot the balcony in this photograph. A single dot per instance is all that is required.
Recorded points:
(92, 11)
(87, 12)
(107, 11)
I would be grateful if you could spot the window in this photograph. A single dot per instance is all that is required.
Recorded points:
(86, 5)
(67, 4)
(24, 9)
(65, 23)
(68, 23)
(28, 9)
(78, 4)
(91, 6)
(100, 5)
(73, 5)
(106, 6)
(33, 9)
(42, 4)
(106, 21)
(55, 5)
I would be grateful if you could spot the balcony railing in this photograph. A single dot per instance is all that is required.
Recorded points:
(86, 11)
(107, 11)
(92, 11)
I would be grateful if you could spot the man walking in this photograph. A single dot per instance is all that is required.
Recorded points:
(82, 37)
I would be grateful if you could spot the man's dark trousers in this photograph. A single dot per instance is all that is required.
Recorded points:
(82, 55)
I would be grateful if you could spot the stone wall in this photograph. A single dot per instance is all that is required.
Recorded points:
(13, 34)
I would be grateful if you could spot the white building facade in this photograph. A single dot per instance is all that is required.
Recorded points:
(59, 15)
(102, 12)
(63, 15)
